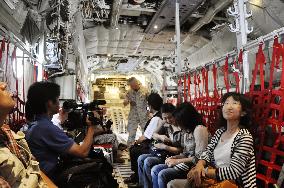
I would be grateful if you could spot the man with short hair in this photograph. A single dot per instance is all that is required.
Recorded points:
(136, 97)
(46, 141)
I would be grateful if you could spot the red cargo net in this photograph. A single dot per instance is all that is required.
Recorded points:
(270, 151)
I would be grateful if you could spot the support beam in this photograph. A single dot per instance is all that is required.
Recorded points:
(241, 41)
(241, 29)
(208, 17)
(178, 50)
(9, 21)
(116, 6)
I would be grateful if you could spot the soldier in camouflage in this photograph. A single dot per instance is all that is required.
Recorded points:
(136, 97)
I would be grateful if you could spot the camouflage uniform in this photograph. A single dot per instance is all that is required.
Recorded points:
(138, 112)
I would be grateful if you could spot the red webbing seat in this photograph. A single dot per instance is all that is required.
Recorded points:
(270, 157)
(267, 109)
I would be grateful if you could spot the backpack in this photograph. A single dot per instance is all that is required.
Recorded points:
(94, 173)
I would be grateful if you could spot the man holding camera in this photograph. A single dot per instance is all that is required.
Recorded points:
(136, 97)
(46, 141)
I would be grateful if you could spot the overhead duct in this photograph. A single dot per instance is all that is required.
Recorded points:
(208, 17)
(165, 16)
(116, 6)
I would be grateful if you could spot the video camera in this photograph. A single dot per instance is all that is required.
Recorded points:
(78, 112)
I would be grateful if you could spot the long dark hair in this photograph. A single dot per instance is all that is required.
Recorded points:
(187, 117)
(155, 101)
(245, 121)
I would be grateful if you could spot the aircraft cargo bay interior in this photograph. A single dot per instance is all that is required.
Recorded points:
(141, 93)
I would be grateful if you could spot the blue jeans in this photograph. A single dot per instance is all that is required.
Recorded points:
(162, 174)
(145, 163)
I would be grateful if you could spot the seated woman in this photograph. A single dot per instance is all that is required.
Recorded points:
(194, 140)
(141, 146)
(231, 150)
(168, 134)
(16, 164)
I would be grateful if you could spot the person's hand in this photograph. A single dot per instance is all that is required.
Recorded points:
(196, 173)
(176, 157)
(99, 130)
(172, 162)
(89, 123)
(96, 114)
(3, 183)
(160, 146)
(165, 139)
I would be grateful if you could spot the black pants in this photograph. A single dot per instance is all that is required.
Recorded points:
(137, 150)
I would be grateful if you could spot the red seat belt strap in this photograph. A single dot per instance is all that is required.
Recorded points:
(236, 74)
(205, 81)
(2, 49)
(195, 86)
(188, 86)
(260, 60)
(240, 58)
(179, 97)
(198, 84)
(226, 74)
(214, 70)
(184, 88)
(35, 72)
(275, 59)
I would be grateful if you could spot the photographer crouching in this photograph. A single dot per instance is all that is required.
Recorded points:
(47, 141)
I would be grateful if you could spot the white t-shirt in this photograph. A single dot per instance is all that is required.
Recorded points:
(56, 121)
(152, 127)
(222, 152)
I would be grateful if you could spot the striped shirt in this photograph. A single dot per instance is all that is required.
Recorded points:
(242, 166)
(194, 144)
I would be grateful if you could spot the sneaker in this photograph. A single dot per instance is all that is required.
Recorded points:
(134, 185)
(132, 179)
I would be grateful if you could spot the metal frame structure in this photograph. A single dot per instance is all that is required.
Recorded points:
(178, 50)
(241, 28)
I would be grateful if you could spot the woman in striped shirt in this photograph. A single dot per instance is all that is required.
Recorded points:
(231, 150)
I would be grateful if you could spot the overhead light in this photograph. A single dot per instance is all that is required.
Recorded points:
(155, 27)
(108, 55)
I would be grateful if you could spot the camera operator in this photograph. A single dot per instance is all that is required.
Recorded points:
(47, 141)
